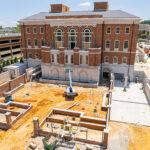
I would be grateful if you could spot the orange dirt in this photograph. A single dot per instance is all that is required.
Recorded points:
(43, 98)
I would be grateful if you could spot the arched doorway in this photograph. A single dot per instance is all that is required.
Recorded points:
(55, 74)
(83, 76)
(106, 73)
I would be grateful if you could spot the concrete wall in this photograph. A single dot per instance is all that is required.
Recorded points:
(4, 77)
(79, 74)
(147, 91)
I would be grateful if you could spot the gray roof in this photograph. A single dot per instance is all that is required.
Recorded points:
(105, 14)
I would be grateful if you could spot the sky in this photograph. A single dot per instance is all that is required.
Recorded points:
(12, 11)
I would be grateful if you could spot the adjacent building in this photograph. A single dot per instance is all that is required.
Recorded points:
(10, 46)
(92, 43)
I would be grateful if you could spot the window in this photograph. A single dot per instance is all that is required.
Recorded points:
(117, 30)
(87, 39)
(66, 59)
(34, 30)
(126, 44)
(124, 60)
(41, 30)
(43, 42)
(27, 30)
(116, 46)
(108, 30)
(35, 42)
(107, 45)
(106, 59)
(58, 38)
(72, 59)
(127, 30)
(87, 59)
(115, 60)
(28, 42)
(81, 59)
(52, 58)
(72, 40)
(57, 58)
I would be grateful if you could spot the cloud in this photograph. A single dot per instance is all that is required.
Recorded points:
(85, 4)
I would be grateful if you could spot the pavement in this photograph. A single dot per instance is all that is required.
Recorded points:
(131, 106)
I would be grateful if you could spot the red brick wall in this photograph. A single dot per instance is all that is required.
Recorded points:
(4, 88)
(16, 82)
(55, 8)
(12, 84)
(49, 36)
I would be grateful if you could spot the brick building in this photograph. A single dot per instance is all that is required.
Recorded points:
(93, 43)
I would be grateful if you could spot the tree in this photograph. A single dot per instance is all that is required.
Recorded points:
(12, 61)
(21, 60)
(7, 62)
(1, 68)
(17, 28)
(3, 64)
(15, 59)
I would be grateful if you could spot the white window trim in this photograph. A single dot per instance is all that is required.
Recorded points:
(40, 30)
(110, 30)
(29, 46)
(116, 49)
(34, 30)
(125, 49)
(62, 37)
(27, 30)
(107, 49)
(129, 30)
(123, 62)
(35, 46)
(84, 36)
(105, 59)
(69, 38)
(113, 60)
(116, 30)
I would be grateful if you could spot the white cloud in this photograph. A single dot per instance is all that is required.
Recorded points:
(85, 4)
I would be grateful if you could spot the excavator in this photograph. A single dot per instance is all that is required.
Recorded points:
(70, 92)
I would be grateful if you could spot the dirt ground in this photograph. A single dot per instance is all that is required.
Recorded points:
(129, 137)
(43, 98)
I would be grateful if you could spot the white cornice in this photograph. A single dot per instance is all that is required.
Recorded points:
(81, 22)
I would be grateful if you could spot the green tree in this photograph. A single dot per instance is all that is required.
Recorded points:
(21, 60)
(15, 59)
(12, 61)
(7, 62)
(1, 68)
(3, 63)
(17, 28)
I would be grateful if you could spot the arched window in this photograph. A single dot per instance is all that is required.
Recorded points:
(124, 60)
(115, 60)
(107, 45)
(106, 59)
(72, 40)
(87, 39)
(59, 37)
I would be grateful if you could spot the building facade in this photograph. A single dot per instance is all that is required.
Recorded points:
(10, 46)
(92, 43)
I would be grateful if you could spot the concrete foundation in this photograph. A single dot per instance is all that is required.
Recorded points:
(79, 73)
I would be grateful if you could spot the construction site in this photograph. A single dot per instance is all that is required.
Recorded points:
(43, 116)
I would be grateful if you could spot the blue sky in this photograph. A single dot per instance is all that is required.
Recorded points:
(13, 10)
